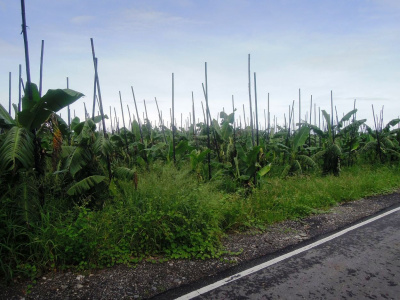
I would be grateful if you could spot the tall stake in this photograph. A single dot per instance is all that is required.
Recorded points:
(299, 109)
(112, 129)
(137, 115)
(116, 121)
(69, 111)
(123, 122)
(173, 120)
(100, 99)
(41, 69)
(208, 126)
(377, 134)
(9, 93)
(333, 132)
(194, 116)
(94, 96)
(204, 114)
(84, 106)
(97, 83)
(255, 99)
(161, 121)
(251, 110)
(309, 137)
(234, 126)
(269, 117)
(95, 62)
(19, 88)
(130, 119)
(145, 109)
(244, 117)
(28, 71)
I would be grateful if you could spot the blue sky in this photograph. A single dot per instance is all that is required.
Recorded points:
(348, 46)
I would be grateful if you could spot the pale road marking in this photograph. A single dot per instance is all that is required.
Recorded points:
(271, 262)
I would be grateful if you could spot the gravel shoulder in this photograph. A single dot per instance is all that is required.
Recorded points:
(153, 277)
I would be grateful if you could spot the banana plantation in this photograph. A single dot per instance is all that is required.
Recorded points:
(73, 196)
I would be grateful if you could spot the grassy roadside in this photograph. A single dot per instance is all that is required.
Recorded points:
(172, 215)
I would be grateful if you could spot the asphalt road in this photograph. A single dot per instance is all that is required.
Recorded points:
(363, 263)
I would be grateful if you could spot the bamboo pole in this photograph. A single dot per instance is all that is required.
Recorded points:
(69, 111)
(265, 121)
(97, 87)
(25, 35)
(130, 119)
(377, 134)
(251, 110)
(123, 122)
(315, 114)
(9, 93)
(255, 99)
(112, 129)
(161, 121)
(204, 114)
(173, 119)
(137, 115)
(210, 120)
(309, 136)
(234, 125)
(208, 127)
(116, 121)
(41, 69)
(244, 117)
(145, 109)
(299, 109)
(333, 132)
(194, 116)
(95, 62)
(84, 107)
(19, 88)
(94, 97)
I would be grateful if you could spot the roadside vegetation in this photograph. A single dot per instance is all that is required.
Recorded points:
(74, 196)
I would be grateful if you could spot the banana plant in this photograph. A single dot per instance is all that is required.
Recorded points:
(297, 160)
(20, 147)
(382, 143)
(85, 160)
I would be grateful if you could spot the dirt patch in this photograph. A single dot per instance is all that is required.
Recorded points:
(148, 279)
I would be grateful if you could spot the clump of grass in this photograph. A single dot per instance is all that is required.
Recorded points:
(298, 197)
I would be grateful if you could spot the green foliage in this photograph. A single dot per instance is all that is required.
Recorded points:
(85, 184)
(78, 214)
(16, 150)
(5, 119)
(34, 113)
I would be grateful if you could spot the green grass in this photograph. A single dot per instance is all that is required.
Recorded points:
(171, 215)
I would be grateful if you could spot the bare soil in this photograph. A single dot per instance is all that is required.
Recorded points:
(153, 277)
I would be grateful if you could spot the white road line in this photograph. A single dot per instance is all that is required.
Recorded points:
(271, 262)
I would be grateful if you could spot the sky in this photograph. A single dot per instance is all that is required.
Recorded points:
(349, 47)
